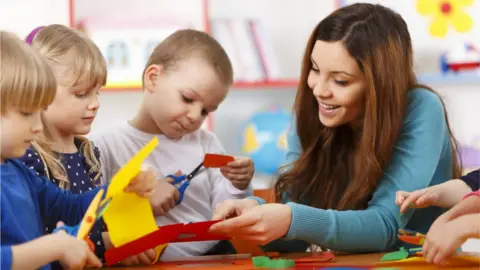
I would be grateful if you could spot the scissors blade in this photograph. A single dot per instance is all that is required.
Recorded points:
(103, 207)
(194, 172)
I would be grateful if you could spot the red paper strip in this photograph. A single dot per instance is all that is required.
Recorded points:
(165, 235)
(198, 231)
(191, 232)
(216, 161)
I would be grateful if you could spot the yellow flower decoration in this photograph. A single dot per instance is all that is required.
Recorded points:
(446, 12)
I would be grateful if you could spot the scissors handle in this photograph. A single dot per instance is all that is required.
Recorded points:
(177, 179)
(181, 189)
(73, 231)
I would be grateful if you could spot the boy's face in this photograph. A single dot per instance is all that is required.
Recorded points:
(18, 130)
(180, 99)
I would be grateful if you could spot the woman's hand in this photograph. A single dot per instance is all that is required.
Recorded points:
(260, 224)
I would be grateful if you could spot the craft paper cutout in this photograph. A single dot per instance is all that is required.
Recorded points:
(123, 177)
(129, 216)
(456, 261)
(162, 236)
(397, 255)
(216, 161)
(444, 13)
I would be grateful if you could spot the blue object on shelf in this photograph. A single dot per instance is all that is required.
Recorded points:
(264, 139)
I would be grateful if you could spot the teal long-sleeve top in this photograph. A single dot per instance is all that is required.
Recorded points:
(422, 157)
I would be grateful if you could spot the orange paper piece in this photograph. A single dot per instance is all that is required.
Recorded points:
(129, 216)
(216, 161)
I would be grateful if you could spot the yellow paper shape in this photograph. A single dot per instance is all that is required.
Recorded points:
(455, 261)
(123, 177)
(251, 144)
(158, 252)
(129, 216)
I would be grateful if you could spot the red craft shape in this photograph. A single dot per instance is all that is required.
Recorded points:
(165, 234)
(216, 161)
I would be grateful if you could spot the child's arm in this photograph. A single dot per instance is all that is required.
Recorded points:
(469, 205)
(452, 229)
(445, 195)
(71, 252)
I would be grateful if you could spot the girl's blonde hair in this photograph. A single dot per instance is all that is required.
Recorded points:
(27, 83)
(86, 67)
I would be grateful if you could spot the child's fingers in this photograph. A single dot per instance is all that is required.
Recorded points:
(60, 224)
(93, 260)
(240, 163)
(427, 200)
(411, 200)
(143, 259)
(400, 197)
(151, 254)
(236, 177)
(246, 170)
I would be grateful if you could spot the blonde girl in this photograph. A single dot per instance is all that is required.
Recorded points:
(62, 153)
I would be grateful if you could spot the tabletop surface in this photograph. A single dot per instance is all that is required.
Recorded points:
(365, 260)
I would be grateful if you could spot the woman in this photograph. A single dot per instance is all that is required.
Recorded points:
(364, 129)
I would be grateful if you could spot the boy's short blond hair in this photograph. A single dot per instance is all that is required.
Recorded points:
(27, 83)
(86, 65)
(187, 43)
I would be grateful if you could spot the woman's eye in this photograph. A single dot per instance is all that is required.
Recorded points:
(341, 83)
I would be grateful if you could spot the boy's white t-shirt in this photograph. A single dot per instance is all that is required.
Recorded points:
(209, 187)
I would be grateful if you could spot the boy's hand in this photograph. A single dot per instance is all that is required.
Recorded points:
(417, 199)
(146, 257)
(74, 253)
(143, 183)
(239, 172)
(165, 197)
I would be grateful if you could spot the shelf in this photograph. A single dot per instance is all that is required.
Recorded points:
(449, 79)
(266, 84)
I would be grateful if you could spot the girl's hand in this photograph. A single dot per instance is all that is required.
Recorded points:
(417, 199)
(260, 225)
(240, 172)
(144, 183)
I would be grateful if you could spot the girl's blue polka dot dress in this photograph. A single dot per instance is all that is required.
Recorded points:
(80, 181)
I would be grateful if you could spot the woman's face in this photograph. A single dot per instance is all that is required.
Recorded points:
(337, 84)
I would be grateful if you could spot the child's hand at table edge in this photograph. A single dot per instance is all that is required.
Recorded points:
(74, 253)
(144, 182)
(145, 258)
(239, 172)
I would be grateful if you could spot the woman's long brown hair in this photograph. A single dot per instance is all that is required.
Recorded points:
(339, 168)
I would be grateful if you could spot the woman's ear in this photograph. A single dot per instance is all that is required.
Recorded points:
(150, 78)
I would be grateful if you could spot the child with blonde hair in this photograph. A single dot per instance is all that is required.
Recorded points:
(186, 78)
(28, 86)
(62, 153)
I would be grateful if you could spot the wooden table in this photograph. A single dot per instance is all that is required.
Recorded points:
(340, 261)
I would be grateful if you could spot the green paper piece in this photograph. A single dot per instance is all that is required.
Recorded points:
(260, 261)
(396, 256)
(280, 263)
(266, 262)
